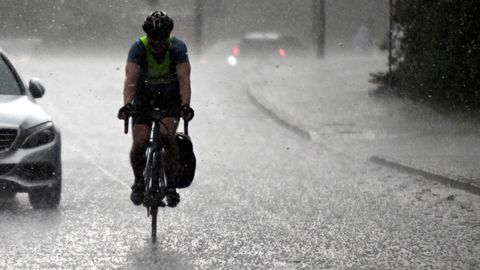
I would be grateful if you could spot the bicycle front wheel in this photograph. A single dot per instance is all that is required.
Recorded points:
(153, 213)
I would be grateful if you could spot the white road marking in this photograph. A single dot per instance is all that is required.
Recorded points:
(107, 173)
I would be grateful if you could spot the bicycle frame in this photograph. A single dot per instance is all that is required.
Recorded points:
(154, 172)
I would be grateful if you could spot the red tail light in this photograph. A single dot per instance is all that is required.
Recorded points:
(236, 51)
(282, 52)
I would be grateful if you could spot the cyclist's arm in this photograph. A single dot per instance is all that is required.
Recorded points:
(132, 72)
(183, 75)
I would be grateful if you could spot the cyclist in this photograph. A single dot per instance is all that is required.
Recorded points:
(157, 75)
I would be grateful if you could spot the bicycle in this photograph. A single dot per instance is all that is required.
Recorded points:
(154, 173)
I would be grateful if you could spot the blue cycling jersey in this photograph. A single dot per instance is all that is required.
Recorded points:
(138, 55)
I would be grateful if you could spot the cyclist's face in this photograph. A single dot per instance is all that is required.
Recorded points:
(158, 46)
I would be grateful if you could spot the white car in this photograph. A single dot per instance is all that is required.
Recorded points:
(30, 144)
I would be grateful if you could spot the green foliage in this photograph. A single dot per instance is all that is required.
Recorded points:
(440, 51)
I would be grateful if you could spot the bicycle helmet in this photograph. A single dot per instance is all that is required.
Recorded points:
(158, 25)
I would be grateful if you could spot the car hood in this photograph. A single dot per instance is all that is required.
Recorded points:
(20, 112)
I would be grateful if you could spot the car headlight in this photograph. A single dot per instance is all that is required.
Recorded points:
(40, 135)
(232, 61)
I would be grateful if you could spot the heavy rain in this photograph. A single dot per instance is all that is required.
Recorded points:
(328, 134)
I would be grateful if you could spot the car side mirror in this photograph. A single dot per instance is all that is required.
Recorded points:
(36, 88)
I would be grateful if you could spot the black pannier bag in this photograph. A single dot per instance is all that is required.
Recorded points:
(187, 160)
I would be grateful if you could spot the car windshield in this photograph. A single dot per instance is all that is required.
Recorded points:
(256, 46)
(267, 46)
(8, 83)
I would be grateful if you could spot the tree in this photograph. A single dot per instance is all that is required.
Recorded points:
(319, 26)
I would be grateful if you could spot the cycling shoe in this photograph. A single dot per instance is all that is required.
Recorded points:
(137, 193)
(173, 198)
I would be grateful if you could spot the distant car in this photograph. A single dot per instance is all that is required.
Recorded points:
(30, 156)
(265, 46)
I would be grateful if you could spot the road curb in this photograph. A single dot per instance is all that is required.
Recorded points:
(281, 119)
(286, 121)
(454, 183)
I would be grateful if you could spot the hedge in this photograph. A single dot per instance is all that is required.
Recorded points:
(438, 60)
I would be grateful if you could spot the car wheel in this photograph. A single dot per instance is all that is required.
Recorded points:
(46, 197)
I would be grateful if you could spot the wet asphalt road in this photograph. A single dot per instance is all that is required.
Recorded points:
(262, 198)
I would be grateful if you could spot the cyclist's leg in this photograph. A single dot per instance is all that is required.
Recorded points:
(169, 101)
(168, 130)
(172, 157)
(141, 127)
(141, 135)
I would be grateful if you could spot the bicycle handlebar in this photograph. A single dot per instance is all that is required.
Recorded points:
(126, 124)
(125, 130)
(185, 127)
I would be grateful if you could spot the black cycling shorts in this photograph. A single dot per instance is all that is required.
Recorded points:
(166, 99)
